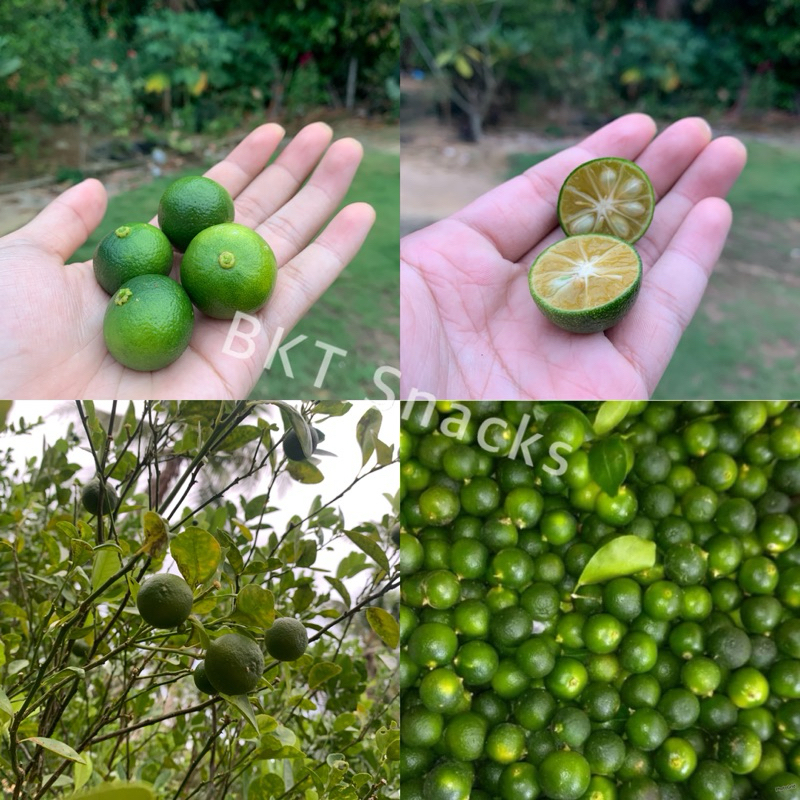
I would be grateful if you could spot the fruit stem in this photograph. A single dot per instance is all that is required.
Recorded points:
(226, 259)
(122, 231)
(123, 295)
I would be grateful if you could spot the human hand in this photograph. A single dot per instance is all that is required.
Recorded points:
(469, 326)
(51, 334)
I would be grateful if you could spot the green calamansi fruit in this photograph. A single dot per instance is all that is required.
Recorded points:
(287, 639)
(293, 449)
(165, 600)
(201, 680)
(92, 496)
(233, 664)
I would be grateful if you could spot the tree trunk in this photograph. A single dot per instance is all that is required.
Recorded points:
(475, 124)
(352, 75)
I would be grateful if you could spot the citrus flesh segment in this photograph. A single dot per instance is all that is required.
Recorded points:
(586, 283)
(607, 195)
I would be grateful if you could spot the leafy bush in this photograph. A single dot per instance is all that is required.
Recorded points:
(88, 690)
(661, 62)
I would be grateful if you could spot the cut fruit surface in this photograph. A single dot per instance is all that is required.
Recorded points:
(607, 195)
(587, 283)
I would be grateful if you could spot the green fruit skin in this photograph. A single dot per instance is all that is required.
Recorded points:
(201, 680)
(143, 323)
(284, 650)
(225, 653)
(90, 495)
(596, 319)
(165, 601)
(199, 209)
(113, 262)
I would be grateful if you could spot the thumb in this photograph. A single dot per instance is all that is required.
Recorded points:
(64, 225)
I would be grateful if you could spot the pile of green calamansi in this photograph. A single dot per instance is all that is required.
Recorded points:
(618, 618)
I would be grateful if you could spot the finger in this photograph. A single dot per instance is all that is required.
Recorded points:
(667, 157)
(281, 180)
(292, 227)
(64, 225)
(247, 159)
(672, 290)
(520, 212)
(308, 275)
(712, 174)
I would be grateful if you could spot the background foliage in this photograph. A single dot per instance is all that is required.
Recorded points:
(605, 57)
(115, 65)
(88, 693)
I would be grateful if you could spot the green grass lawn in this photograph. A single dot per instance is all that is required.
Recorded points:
(359, 313)
(742, 343)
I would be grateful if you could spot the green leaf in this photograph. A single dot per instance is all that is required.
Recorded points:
(367, 432)
(257, 604)
(242, 702)
(322, 672)
(384, 452)
(293, 419)
(117, 791)
(385, 625)
(197, 554)
(351, 565)
(5, 704)
(304, 472)
(344, 721)
(341, 588)
(107, 562)
(332, 408)
(608, 464)
(371, 548)
(309, 553)
(610, 414)
(55, 746)
(303, 597)
(82, 771)
(624, 555)
(238, 437)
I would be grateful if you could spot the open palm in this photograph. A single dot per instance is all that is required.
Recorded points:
(51, 338)
(469, 326)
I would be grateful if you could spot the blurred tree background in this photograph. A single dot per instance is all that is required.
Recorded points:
(596, 59)
(118, 67)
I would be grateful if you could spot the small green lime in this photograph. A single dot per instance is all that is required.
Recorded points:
(190, 205)
(133, 249)
(148, 323)
(227, 269)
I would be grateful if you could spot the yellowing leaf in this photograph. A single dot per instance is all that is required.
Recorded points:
(630, 76)
(367, 432)
(156, 83)
(200, 84)
(385, 625)
(304, 472)
(197, 554)
(463, 67)
(155, 533)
